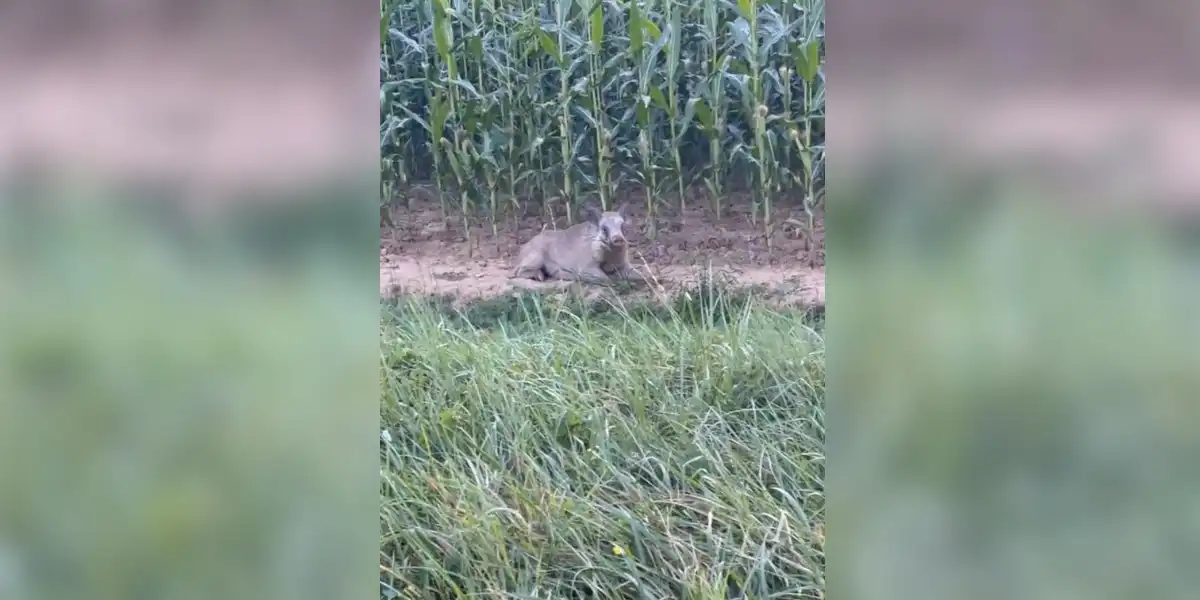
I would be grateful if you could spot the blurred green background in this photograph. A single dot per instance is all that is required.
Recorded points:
(187, 409)
(1013, 385)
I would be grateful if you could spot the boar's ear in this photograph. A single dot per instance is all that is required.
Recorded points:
(623, 210)
(591, 214)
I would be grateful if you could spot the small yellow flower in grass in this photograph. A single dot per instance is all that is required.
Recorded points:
(617, 550)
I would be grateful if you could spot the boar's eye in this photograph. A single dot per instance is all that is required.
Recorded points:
(604, 230)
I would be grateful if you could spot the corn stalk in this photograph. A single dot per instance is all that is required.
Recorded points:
(503, 103)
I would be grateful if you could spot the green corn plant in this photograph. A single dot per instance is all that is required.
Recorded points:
(711, 110)
(480, 113)
(502, 60)
(645, 56)
(442, 99)
(806, 69)
(806, 57)
(746, 32)
(482, 108)
(505, 102)
(670, 104)
(531, 127)
(775, 77)
(593, 112)
(790, 121)
(557, 49)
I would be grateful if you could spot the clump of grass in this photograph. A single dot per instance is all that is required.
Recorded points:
(620, 452)
(711, 300)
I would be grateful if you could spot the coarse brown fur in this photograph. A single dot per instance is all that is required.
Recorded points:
(593, 251)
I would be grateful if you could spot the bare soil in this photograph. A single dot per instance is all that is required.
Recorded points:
(423, 254)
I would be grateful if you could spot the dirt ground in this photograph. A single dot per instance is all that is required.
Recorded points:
(422, 254)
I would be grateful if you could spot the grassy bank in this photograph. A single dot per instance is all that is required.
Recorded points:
(547, 451)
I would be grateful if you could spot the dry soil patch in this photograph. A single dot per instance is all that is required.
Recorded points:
(422, 254)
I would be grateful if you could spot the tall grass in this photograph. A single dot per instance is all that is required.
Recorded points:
(504, 101)
(559, 452)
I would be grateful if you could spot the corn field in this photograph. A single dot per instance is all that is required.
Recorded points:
(502, 102)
